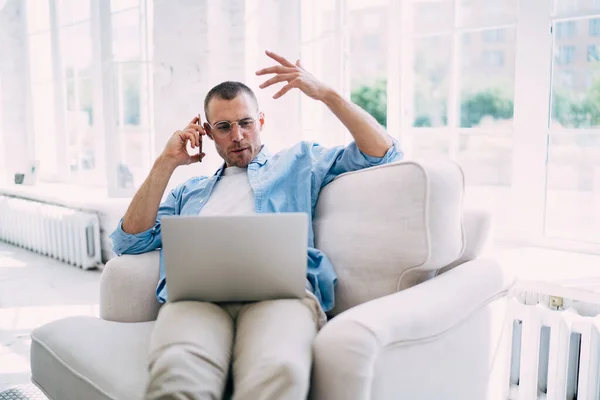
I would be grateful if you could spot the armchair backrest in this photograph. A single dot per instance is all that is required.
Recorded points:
(390, 227)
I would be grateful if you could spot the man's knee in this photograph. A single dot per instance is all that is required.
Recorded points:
(183, 371)
(201, 324)
(287, 372)
(291, 372)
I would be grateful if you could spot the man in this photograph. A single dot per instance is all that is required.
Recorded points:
(267, 343)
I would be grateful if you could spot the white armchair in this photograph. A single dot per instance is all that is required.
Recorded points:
(398, 329)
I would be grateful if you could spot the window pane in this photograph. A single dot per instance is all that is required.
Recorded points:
(135, 152)
(40, 57)
(432, 16)
(565, 29)
(487, 78)
(565, 7)
(131, 104)
(129, 84)
(72, 11)
(126, 35)
(76, 48)
(433, 143)
(44, 127)
(38, 15)
(576, 76)
(70, 91)
(118, 5)
(318, 46)
(368, 50)
(486, 12)
(79, 126)
(431, 83)
(486, 159)
(573, 186)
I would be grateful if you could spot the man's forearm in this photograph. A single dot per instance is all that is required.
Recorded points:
(142, 212)
(370, 137)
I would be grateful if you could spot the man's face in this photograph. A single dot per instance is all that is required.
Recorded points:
(241, 145)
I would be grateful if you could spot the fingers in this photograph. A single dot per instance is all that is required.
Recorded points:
(195, 119)
(193, 133)
(278, 69)
(196, 127)
(192, 136)
(278, 78)
(299, 64)
(196, 158)
(279, 58)
(285, 89)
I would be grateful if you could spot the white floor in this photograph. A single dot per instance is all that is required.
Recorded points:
(35, 290)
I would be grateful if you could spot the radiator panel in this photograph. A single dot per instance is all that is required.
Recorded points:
(68, 235)
(572, 357)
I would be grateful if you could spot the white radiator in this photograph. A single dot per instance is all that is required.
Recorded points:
(62, 233)
(555, 352)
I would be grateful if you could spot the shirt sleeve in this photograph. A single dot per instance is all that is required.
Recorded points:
(128, 243)
(331, 162)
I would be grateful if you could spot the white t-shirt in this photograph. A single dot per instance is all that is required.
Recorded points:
(232, 194)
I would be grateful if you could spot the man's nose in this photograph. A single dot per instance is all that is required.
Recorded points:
(236, 133)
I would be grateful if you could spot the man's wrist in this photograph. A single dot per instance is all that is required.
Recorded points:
(165, 163)
(330, 97)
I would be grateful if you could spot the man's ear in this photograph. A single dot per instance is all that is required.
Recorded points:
(207, 130)
(261, 118)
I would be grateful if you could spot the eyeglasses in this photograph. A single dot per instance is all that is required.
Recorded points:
(224, 128)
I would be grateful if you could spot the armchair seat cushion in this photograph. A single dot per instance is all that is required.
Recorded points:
(92, 359)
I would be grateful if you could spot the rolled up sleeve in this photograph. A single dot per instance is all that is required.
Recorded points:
(394, 153)
(331, 162)
(149, 240)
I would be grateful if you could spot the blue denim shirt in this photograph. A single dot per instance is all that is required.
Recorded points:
(289, 181)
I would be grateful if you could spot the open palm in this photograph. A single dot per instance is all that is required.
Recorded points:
(296, 77)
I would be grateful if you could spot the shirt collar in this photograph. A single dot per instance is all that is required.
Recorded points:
(263, 155)
(261, 158)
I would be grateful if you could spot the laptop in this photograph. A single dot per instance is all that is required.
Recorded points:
(235, 258)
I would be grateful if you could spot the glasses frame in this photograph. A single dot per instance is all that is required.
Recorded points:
(254, 118)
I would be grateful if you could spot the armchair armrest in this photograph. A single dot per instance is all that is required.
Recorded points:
(128, 286)
(433, 340)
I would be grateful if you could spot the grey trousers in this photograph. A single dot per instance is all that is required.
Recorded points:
(267, 346)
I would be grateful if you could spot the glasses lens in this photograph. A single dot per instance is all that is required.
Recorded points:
(223, 127)
(247, 124)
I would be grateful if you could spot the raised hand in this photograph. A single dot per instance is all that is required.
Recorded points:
(296, 77)
(176, 148)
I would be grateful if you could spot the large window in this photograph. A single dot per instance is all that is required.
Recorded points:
(457, 99)
(77, 137)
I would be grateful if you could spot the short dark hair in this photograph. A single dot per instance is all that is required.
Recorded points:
(228, 90)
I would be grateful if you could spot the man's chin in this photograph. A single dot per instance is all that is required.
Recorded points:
(241, 161)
